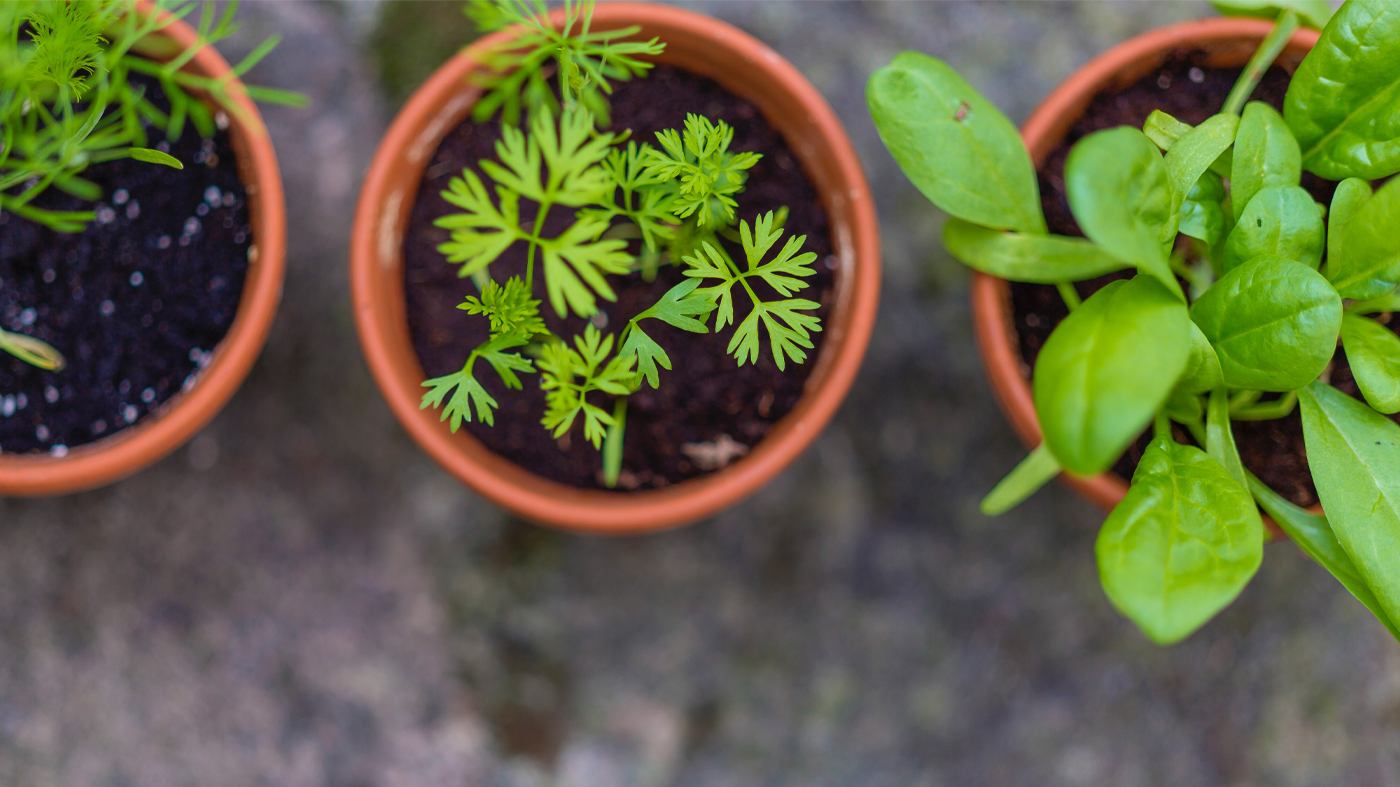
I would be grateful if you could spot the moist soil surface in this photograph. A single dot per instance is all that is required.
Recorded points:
(1190, 92)
(707, 408)
(136, 302)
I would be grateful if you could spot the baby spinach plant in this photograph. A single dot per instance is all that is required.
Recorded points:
(634, 208)
(1242, 288)
(67, 102)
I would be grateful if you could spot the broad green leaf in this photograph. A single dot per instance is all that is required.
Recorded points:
(1313, 13)
(1184, 407)
(1354, 454)
(1030, 475)
(1273, 324)
(1220, 438)
(1266, 154)
(1373, 351)
(1017, 256)
(1350, 195)
(1181, 545)
(1121, 194)
(1314, 536)
(1192, 156)
(1280, 221)
(1202, 366)
(1107, 368)
(954, 145)
(1369, 263)
(1343, 103)
(1203, 214)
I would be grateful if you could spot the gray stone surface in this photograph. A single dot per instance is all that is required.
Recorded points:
(300, 597)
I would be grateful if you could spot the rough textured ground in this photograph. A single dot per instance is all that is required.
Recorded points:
(301, 598)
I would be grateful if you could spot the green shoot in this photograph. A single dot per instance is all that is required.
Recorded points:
(706, 174)
(568, 375)
(585, 61)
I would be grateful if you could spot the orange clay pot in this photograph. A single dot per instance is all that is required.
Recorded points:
(151, 439)
(745, 67)
(1229, 43)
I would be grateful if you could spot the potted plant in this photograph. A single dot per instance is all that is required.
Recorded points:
(558, 223)
(1227, 255)
(143, 226)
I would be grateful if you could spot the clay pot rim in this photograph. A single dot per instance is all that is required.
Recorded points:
(1042, 132)
(417, 130)
(132, 449)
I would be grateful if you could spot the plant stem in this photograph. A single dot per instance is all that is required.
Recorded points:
(1162, 425)
(612, 445)
(1069, 294)
(1243, 399)
(534, 242)
(1268, 411)
(1264, 57)
(1197, 432)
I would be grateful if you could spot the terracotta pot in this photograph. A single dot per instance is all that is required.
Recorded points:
(1229, 43)
(745, 67)
(134, 448)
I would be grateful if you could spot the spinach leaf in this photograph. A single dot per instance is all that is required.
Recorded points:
(1280, 221)
(1342, 101)
(1390, 302)
(1184, 407)
(1203, 366)
(1181, 545)
(1313, 13)
(954, 145)
(1314, 536)
(1369, 263)
(1164, 130)
(1266, 154)
(1192, 156)
(1374, 354)
(1273, 324)
(1041, 259)
(1121, 194)
(1203, 213)
(1106, 369)
(1354, 453)
(1220, 438)
(1350, 195)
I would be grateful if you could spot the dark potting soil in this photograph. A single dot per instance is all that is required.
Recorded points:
(1190, 92)
(136, 302)
(706, 400)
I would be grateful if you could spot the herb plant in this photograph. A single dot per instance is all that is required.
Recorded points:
(66, 102)
(635, 208)
(1232, 314)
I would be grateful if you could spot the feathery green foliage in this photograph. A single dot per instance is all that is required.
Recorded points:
(585, 60)
(66, 102)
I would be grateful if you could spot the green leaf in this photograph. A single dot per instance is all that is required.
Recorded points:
(1280, 221)
(1220, 438)
(155, 157)
(954, 145)
(1369, 263)
(1192, 156)
(510, 309)
(1354, 453)
(32, 351)
(459, 408)
(482, 233)
(1389, 302)
(575, 264)
(1203, 372)
(1273, 324)
(1041, 259)
(1313, 13)
(680, 306)
(1350, 195)
(1181, 545)
(705, 174)
(1266, 154)
(648, 353)
(1164, 131)
(788, 331)
(1107, 368)
(1202, 214)
(1342, 99)
(1030, 475)
(1120, 192)
(1314, 536)
(1374, 354)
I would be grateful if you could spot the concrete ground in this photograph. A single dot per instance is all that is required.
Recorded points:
(301, 597)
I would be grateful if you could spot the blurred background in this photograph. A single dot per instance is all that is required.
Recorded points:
(301, 597)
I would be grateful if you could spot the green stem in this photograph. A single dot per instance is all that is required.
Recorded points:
(612, 445)
(1264, 57)
(534, 242)
(1069, 294)
(1162, 425)
(1268, 411)
(1243, 399)
(1198, 432)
